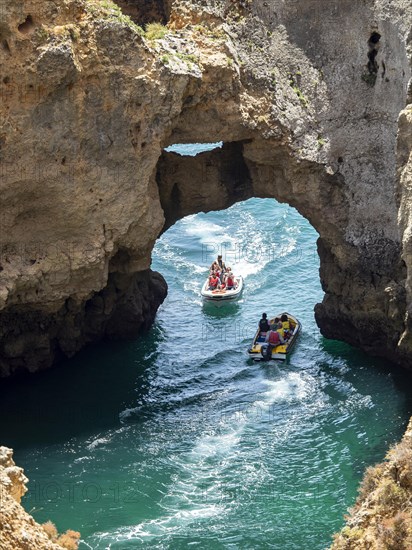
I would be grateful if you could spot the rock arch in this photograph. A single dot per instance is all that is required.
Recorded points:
(87, 186)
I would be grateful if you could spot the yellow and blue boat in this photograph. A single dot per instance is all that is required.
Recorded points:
(282, 351)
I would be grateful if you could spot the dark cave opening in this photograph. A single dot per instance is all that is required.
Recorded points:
(28, 25)
(372, 64)
(144, 12)
(219, 169)
(375, 37)
(373, 52)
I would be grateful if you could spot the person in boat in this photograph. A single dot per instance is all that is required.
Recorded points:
(220, 267)
(214, 281)
(230, 281)
(214, 267)
(287, 329)
(264, 323)
(221, 263)
(273, 339)
(280, 329)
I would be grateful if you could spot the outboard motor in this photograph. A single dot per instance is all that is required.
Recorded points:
(266, 352)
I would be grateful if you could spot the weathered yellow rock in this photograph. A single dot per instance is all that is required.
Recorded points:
(89, 103)
(18, 530)
(382, 515)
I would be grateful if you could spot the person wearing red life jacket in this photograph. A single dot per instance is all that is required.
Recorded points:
(273, 339)
(230, 281)
(213, 281)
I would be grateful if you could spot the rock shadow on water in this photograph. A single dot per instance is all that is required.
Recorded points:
(83, 396)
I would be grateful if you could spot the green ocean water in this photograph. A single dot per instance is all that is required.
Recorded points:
(177, 441)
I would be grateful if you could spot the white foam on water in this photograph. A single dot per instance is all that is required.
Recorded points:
(82, 459)
(204, 230)
(197, 490)
(127, 413)
(160, 528)
(247, 252)
(215, 445)
(99, 441)
(357, 402)
(194, 493)
(193, 286)
(292, 386)
(168, 254)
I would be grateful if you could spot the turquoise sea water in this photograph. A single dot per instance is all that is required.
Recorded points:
(178, 441)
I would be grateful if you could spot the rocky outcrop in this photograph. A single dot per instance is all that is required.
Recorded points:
(311, 100)
(34, 339)
(18, 530)
(306, 98)
(382, 515)
(70, 155)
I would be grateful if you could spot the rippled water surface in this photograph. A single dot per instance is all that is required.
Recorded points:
(177, 441)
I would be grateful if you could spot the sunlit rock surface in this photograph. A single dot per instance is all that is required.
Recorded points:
(382, 515)
(18, 530)
(306, 97)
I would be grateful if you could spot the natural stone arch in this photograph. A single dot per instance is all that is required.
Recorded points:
(353, 309)
(81, 211)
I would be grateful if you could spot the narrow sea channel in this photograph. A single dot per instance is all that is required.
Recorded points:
(177, 441)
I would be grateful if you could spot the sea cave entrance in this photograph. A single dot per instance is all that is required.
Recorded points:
(234, 171)
(270, 244)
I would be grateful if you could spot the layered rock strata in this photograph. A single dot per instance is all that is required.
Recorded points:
(306, 98)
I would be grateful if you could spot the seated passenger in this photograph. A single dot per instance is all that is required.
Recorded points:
(263, 323)
(230, 281)
(273, 339)
(280, 330)
(274, 336)
(286, 325)
(213, 281)
(214, 268)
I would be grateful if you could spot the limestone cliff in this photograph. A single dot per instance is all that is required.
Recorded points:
(312, 102)
(18, 530)
(382, 515)
(306, 98)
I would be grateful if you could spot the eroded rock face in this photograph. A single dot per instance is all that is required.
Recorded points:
(18, 530)
(34, 339)
(382, 515)
(306, 98)
(146, 11)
